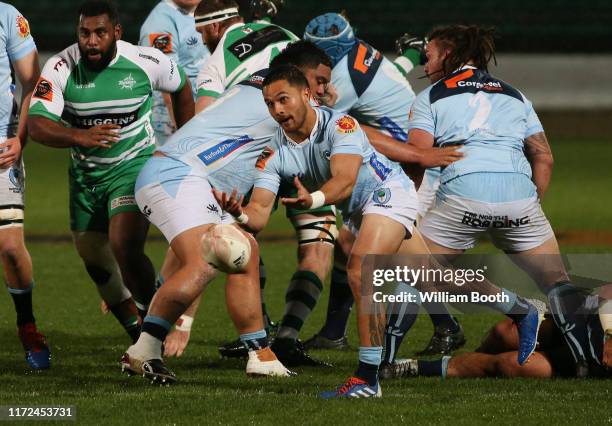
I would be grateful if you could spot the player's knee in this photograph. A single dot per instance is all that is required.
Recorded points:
(315, 257)
(315, 229)
(537, 366)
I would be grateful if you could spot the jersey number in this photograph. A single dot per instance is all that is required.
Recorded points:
(483, 109)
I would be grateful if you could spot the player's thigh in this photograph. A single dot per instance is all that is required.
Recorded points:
(544, 263)
(173, 199)
(453, 224)
(87, 203)
(538, 366)
(344, 244)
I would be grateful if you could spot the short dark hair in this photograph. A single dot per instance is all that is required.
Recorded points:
(289, 73)
(466, 43)
(100, 7)
(300, 54)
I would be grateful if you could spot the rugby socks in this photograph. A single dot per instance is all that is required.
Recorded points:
(263, 275)
(440, 316)
(339, 305)
(400, 318)
(22, 298)
(437, 368)
(149, 344)
(142, 308)
(512, 305)
(302, 295)
(369, 360)
(256, 340)
(127, 315)
(566, 301)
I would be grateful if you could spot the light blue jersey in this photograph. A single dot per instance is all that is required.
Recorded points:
(373, 90)
(15, 43)
(334, 133)
(172, 30)
(490, 119)
(224, 141)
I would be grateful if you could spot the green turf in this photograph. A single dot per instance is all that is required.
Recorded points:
(87, 345)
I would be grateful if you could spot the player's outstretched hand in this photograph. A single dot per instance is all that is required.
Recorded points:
(176, 342)
(100, 136)
(303, 199)
(10, 150)
(440, 157)
(231, 204)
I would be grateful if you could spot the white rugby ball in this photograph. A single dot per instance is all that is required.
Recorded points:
(226, 248)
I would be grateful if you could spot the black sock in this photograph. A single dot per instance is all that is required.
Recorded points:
(567, 307)
(430, 368)
(156, 327)
(440, 316)
(399, 321)
(339, 306)
(22, 298)
(367, 372)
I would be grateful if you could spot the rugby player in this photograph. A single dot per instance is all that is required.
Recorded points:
(496, 356)
(372, 89)
(170, 27)
(497, 187)
(331, 155)
(17, 50)
(101, 86)
(174, 190)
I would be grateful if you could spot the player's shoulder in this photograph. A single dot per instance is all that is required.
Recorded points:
(471, 80)
(64, 61)
(337, 123)
(13, 22)
(143, 56)
(161, 18)
(8, 10)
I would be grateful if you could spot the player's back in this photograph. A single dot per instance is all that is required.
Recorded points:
(486, 115)
(224, 141)
(373, 90)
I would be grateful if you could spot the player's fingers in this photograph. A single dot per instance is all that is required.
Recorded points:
(109, 126)
(297, 183)
(288, 201)
(7, 162)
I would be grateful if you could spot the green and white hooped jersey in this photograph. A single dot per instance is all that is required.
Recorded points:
(243, 50)
(119, 94)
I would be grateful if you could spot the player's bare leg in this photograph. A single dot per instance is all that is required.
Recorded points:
(17, 266)
(100, 263)
(127, 235)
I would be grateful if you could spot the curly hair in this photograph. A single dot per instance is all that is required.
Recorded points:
(467, 44)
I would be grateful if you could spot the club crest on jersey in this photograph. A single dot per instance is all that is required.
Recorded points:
(381, 196)
(346, 124)
(161, 41)
(23, 27)
(263, 158)
(127, 83)
(44, 90)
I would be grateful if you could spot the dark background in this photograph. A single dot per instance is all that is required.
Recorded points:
(524, 26)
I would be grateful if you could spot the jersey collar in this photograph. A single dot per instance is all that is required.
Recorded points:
(315, 129)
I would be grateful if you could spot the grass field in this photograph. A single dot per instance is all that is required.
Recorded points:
(86, 345)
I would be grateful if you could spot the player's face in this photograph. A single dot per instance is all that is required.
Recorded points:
(210, 35)
(287, 104)
(318, 79)
(434, 67)
(97, 40)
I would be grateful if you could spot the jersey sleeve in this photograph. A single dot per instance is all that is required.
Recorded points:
(211, 79)
(48, 97)
(533, 122)
(268, 173)
(19, 41)
(346, 137)
(161, 34)
(165, 74)
(421, 115)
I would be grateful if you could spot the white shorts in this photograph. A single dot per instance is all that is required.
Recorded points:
(427, 194)
(395, 199)
(514, 226)
(174, 200)
(12, 192)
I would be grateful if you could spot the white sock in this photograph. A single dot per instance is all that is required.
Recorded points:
(147, 347)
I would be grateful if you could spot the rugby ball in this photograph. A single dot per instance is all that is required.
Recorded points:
(226, 248)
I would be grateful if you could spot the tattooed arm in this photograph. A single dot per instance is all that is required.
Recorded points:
(540, 157)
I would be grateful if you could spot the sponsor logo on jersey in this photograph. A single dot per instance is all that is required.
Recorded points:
(149, 57)
(161, 41)
(213, 208)
(23, 28)
(17, 179)
(59, 64)
(362, 61)
(381, 197)
(461, 80)
(476, 220)
(146, 210)
(122, 120)
(379, 168)
(264, 157)
(124, 200)
(192, 41)
(223, 149)
(393, 129)
(44, 90)
(127, 83)
(346, 124)
(90, 85)
(257, 41)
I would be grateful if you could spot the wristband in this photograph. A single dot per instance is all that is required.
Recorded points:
(242, 219)
(184, 323)
(318, 199)
(605, 316)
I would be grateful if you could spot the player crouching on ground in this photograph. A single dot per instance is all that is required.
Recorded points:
(330, 153)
